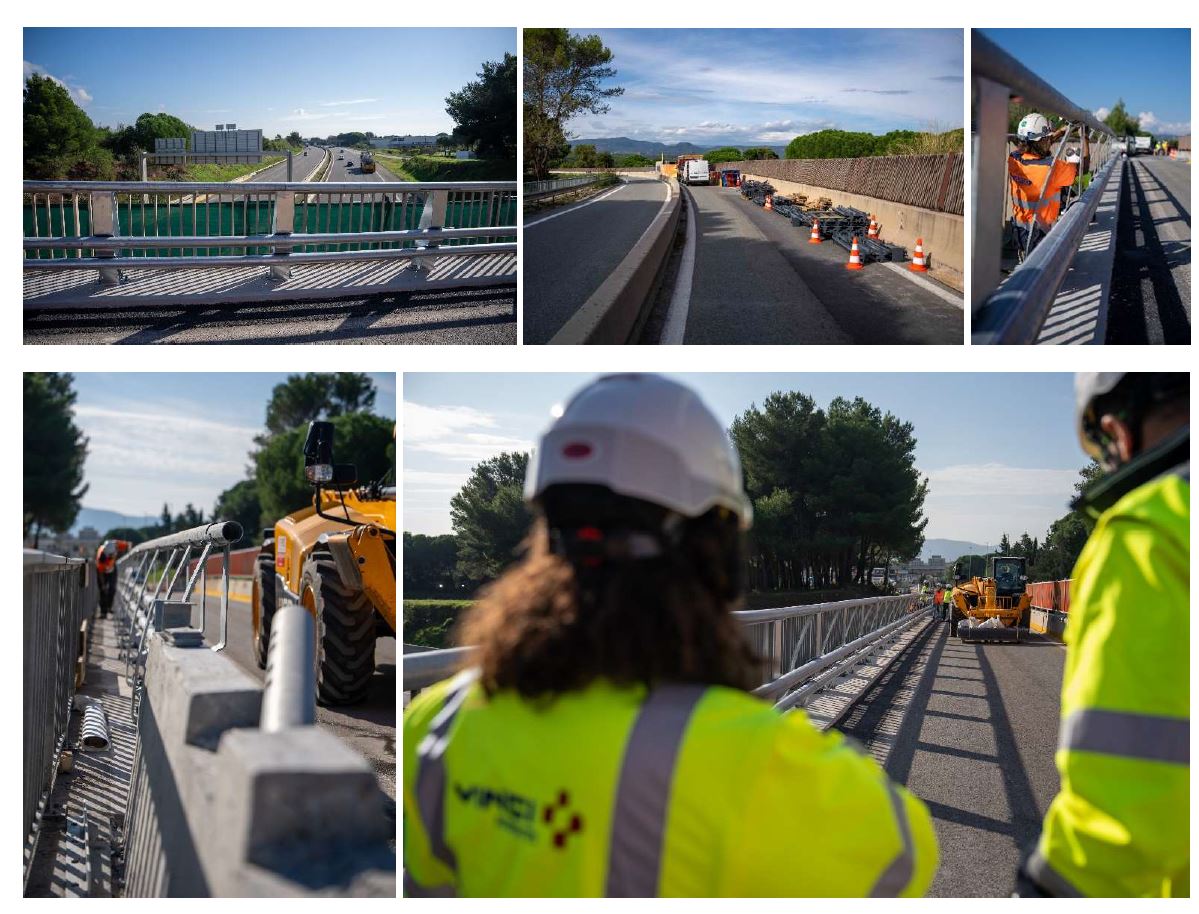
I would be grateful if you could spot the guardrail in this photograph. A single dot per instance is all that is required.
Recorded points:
(1015, 311)
(537, 191)
(114, 225)
(149, 575)
(803, 647)
(58, 595)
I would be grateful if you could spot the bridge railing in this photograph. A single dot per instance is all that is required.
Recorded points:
(110, 225)
(802, 647)
(537, 191)
(155, 580)
(59, 594)
(1015, 311)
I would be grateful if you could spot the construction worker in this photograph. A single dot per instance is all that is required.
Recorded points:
(938, 600)
(1037, 181)
(106, 571)
(604, 741)
(1120, 824)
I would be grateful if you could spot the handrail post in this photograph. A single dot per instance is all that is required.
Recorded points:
(103, 213)
(988, 187)
(285, 219)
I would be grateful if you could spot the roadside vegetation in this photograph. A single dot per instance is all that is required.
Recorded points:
(441, 168)
(210, 171)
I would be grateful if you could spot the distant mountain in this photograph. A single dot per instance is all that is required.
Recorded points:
(951, 549)
(622, 144)
(103, 520)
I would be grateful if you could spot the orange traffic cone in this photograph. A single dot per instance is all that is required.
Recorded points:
(769, 202)
(855, 260)
(815, 237)
(872, 232)
(917, 264)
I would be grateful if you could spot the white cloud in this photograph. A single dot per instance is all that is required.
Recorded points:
(353, 101)
(457, 433)
(139, 459)
(1102, 112)
(997, 479)
(1151, 122)
(78, 93)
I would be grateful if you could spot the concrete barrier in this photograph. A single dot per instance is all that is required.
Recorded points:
(943, 233)
(1048, 622)
(219, 807)
(616, 310)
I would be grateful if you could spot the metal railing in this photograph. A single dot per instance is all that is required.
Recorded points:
(59, 594)
(803, 648)
(148, 577)
(111, 225)
(1014, 311)
(538, 191)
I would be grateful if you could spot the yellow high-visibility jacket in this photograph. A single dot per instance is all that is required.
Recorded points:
(1120, 825)
(687, 790)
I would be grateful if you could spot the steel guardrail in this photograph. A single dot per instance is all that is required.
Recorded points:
(803, 647)
(535, 191)
(1015, 312)
(58, 595)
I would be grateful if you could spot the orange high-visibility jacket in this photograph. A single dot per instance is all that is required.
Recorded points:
(1027, 172)
(106, 563)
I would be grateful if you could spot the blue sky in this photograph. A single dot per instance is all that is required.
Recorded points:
(1149, 68)
(751, 86)
(999, 449)
(316, 81)
(175, 438)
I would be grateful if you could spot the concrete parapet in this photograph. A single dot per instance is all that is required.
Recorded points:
(616, 310)
(220, 808)
(1048, 622)
(943, 233)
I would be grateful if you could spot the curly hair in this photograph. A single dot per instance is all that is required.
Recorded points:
(551, 625)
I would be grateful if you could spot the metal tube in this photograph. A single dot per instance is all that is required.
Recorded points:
(257, 187)
(220, 533)
(279, 237)
(224, 599)
(289, 699)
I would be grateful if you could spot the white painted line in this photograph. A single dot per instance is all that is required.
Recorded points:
(571, 209)
(958, 301)
(675, 332)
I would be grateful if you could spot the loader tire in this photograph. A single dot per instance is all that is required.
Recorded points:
(345, 631)
(263, 597)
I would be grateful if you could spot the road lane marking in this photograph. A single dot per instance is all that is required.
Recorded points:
(675, 331)
(563, 212)
(956, 300)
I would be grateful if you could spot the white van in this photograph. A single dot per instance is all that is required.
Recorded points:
(695, 171)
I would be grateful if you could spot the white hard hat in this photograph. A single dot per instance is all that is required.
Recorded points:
(1034, 126)
(645, 437)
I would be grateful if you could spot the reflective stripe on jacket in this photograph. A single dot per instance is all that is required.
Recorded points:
(1026, 174)
(1120, 825)
(685, 791)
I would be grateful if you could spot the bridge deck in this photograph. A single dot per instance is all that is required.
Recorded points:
(45, 289)
(86, 811)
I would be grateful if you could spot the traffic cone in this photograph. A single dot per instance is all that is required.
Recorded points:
(872, 232)
(855, 260)
(917, 264)
(769, 203)
(815, 236)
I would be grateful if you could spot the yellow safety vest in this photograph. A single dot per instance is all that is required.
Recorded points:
(687, 790)
(1120, 825)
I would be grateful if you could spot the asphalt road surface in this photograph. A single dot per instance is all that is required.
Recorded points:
(569, 252)
(757, 280)
(369, 729)
(459, 316)
(342, 170)
(977, 746)
(301, 166)
(1151, 281)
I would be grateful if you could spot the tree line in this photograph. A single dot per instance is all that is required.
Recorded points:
(835, 492)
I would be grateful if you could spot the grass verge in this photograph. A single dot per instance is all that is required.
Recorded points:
(438, 168)
(212, 171)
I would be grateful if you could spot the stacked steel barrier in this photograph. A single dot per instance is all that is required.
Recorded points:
(59, 594)
(803, 648)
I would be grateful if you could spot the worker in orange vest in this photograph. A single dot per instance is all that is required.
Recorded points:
(1037, 181)
(106, 571)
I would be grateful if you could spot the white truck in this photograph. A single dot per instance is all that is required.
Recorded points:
(695, 171)
(1144, 145)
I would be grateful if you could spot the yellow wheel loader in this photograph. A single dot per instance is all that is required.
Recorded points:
(994, 607)
(337, 558)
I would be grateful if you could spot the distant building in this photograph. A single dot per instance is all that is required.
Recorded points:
(78, 545)
(464, 154)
